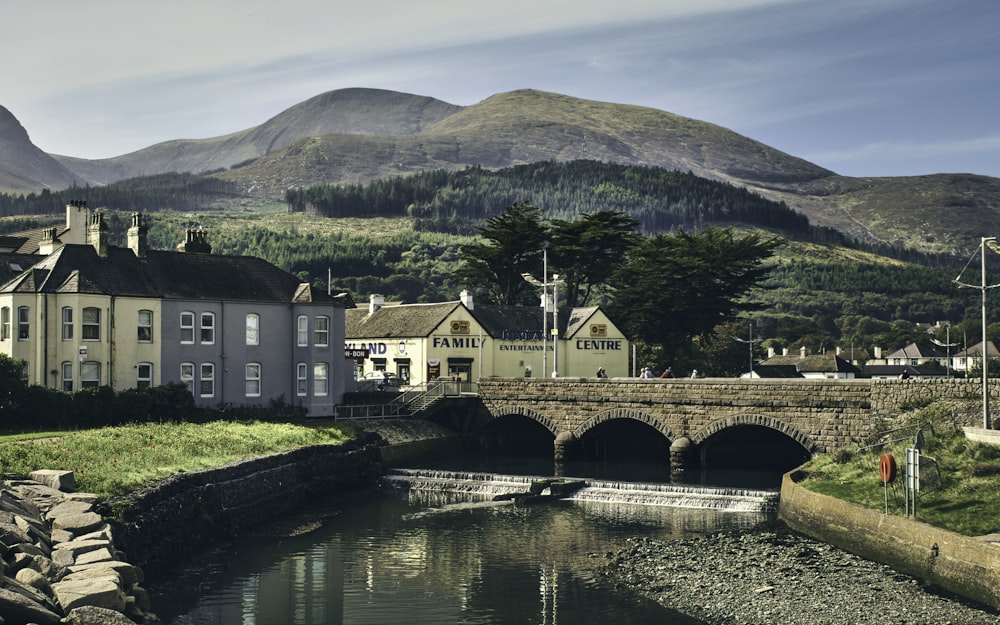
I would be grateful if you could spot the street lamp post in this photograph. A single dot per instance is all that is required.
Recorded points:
(990, 242)
(947, 345)
(750, 342)
(545, 283)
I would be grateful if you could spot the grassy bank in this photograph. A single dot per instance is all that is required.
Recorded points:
(115, 460)
(959, 479)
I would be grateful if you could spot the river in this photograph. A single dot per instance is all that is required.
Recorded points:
(436, 549)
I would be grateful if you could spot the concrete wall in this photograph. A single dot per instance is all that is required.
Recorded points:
(177, 518)
(968, 567)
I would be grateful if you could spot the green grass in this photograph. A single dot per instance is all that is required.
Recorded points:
(959, 479)
(116, 460)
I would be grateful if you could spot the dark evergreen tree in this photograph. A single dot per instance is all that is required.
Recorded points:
(512, 246)
(676, 287)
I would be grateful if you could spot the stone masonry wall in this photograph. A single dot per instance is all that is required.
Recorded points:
(164, 525)
(822, 415)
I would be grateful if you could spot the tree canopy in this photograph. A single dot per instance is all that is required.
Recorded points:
(675, 287)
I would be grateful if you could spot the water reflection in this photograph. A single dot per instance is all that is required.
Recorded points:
(418, 559)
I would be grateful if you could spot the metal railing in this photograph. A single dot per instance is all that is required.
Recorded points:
(411, 400)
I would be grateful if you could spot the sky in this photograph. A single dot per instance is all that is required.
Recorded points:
(860, 87)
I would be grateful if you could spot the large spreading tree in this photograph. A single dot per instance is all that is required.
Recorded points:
(676, 287)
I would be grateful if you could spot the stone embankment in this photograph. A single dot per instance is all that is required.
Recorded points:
(775, 576)
(60, 564)
(64, 553)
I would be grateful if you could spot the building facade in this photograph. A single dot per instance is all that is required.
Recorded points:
(235, 330)
(465, 341)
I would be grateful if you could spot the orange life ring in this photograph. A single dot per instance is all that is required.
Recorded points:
(887, 468)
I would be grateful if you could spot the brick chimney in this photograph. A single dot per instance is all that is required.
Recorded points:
(97, 234)
(466, 298)
(375, 302)
(49, 242)
(77, 221)
(137, 236)
(195, 242)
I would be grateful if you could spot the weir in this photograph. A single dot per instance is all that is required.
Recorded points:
(486, 486)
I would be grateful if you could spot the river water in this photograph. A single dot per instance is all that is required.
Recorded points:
(433, 548)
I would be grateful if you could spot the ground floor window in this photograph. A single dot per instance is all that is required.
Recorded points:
(90, 374)
(67, 377)
(144, 375)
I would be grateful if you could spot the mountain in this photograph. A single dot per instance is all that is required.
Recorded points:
(358, 135)
(24, 167)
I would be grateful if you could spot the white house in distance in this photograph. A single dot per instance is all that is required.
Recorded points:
(466, 341)
(806, 365)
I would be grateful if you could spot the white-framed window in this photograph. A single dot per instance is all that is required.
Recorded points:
(144, 375)
(67, 377)
(206, 380)
(321, 379)
(301, 379)
(67, 323)
(253, 329)
(91, 324)
(5, 323)
(321, 331)
(90, 374)
(187, 375)
(187, 327)
(144, 326)
(302, 323)
(253, 379)
(207, 333)
(23, 323)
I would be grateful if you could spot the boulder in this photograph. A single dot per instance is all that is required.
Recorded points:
(78, 523)
(63, 481)
(129, 574)
(100, 555)
(101, 592)
(69, 507)
(92, 615)
(31, 577)
(17, 608)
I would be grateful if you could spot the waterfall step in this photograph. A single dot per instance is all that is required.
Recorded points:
(509, 487)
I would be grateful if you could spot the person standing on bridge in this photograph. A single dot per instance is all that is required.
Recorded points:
(646, 373)
(667, 373)
(601, 373)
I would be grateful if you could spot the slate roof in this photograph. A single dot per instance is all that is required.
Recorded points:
(168, 275)
(777, 371)
(977, 349)
(915, 351)
(815, 363)
(12, 264)
(419, 320)
(396, 321)
(894, 371)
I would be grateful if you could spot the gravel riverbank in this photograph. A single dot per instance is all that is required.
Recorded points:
(773, 576)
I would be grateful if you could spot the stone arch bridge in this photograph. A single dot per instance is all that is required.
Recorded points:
(820, 415)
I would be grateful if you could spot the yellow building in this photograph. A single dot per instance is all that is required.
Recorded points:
(423, 342)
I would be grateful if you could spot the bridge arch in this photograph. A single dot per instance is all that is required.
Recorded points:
(625, 413)
(772, 423)
(522, 411)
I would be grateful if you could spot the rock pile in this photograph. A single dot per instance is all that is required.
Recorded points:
(59, 562)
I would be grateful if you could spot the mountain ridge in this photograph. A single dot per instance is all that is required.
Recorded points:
(359, 135)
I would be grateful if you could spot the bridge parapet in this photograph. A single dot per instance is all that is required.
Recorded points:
(821, 414)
